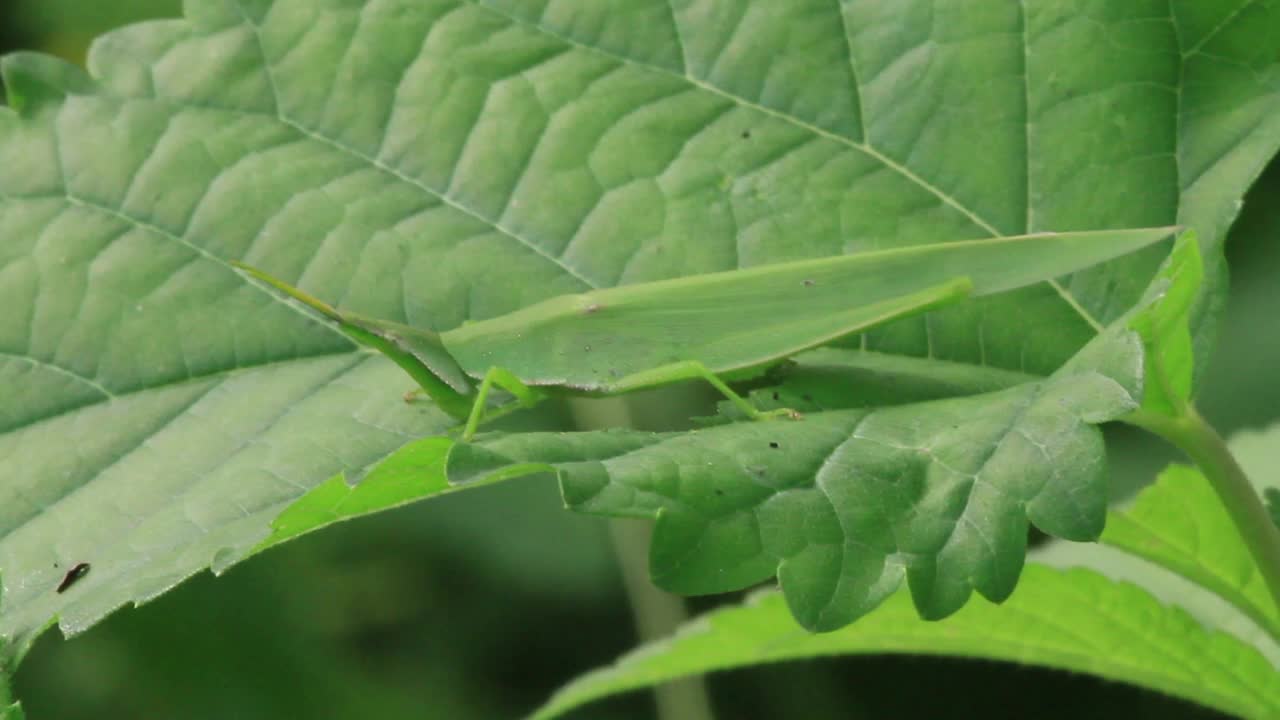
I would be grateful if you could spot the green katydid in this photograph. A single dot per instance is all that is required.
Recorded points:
(719, 327)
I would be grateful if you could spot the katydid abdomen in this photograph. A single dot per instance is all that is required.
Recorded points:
(748, 319)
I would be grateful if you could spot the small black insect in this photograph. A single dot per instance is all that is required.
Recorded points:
(807, 283)
(73, 575)
(774, 445)
(746, 134)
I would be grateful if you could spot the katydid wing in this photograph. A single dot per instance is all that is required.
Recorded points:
(728, 323)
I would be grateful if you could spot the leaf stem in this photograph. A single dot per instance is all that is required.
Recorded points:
(1190, 433)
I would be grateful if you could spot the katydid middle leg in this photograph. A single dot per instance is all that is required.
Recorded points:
(525, 396)
(694, 370)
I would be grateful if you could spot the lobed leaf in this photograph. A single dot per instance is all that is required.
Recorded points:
(843, 505)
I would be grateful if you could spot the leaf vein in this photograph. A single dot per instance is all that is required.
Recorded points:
(67, 372)
(398, 174)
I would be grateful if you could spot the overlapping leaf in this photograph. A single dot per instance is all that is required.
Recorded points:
(432, 162)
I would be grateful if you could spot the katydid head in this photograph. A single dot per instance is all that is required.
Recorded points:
(419, 352)
(307, 299)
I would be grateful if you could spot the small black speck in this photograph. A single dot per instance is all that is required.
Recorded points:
(808, 283)
(76, 572)
(776, 396)
(746, 134)
(719, 491)
(774, 445)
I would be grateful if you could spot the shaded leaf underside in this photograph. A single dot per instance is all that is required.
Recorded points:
(442, 161)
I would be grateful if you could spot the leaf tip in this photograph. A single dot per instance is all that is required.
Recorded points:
(32, 79)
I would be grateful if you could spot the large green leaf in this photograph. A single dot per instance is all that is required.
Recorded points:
(1075, 620)
(433, 162)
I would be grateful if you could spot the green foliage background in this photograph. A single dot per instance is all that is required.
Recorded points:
(479, 605)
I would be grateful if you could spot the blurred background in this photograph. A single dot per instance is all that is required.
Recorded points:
(479, 605)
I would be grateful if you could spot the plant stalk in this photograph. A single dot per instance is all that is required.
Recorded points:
(1190, 433)
(657, 614)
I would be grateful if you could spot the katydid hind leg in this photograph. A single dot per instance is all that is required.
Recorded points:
(694, 370)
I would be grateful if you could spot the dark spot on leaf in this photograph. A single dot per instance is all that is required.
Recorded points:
(1272, 497)
(776, 396)
(774, 445)
(719, 491)
(808, 283)
(807, 397)
(746, 134)
(73, 575)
